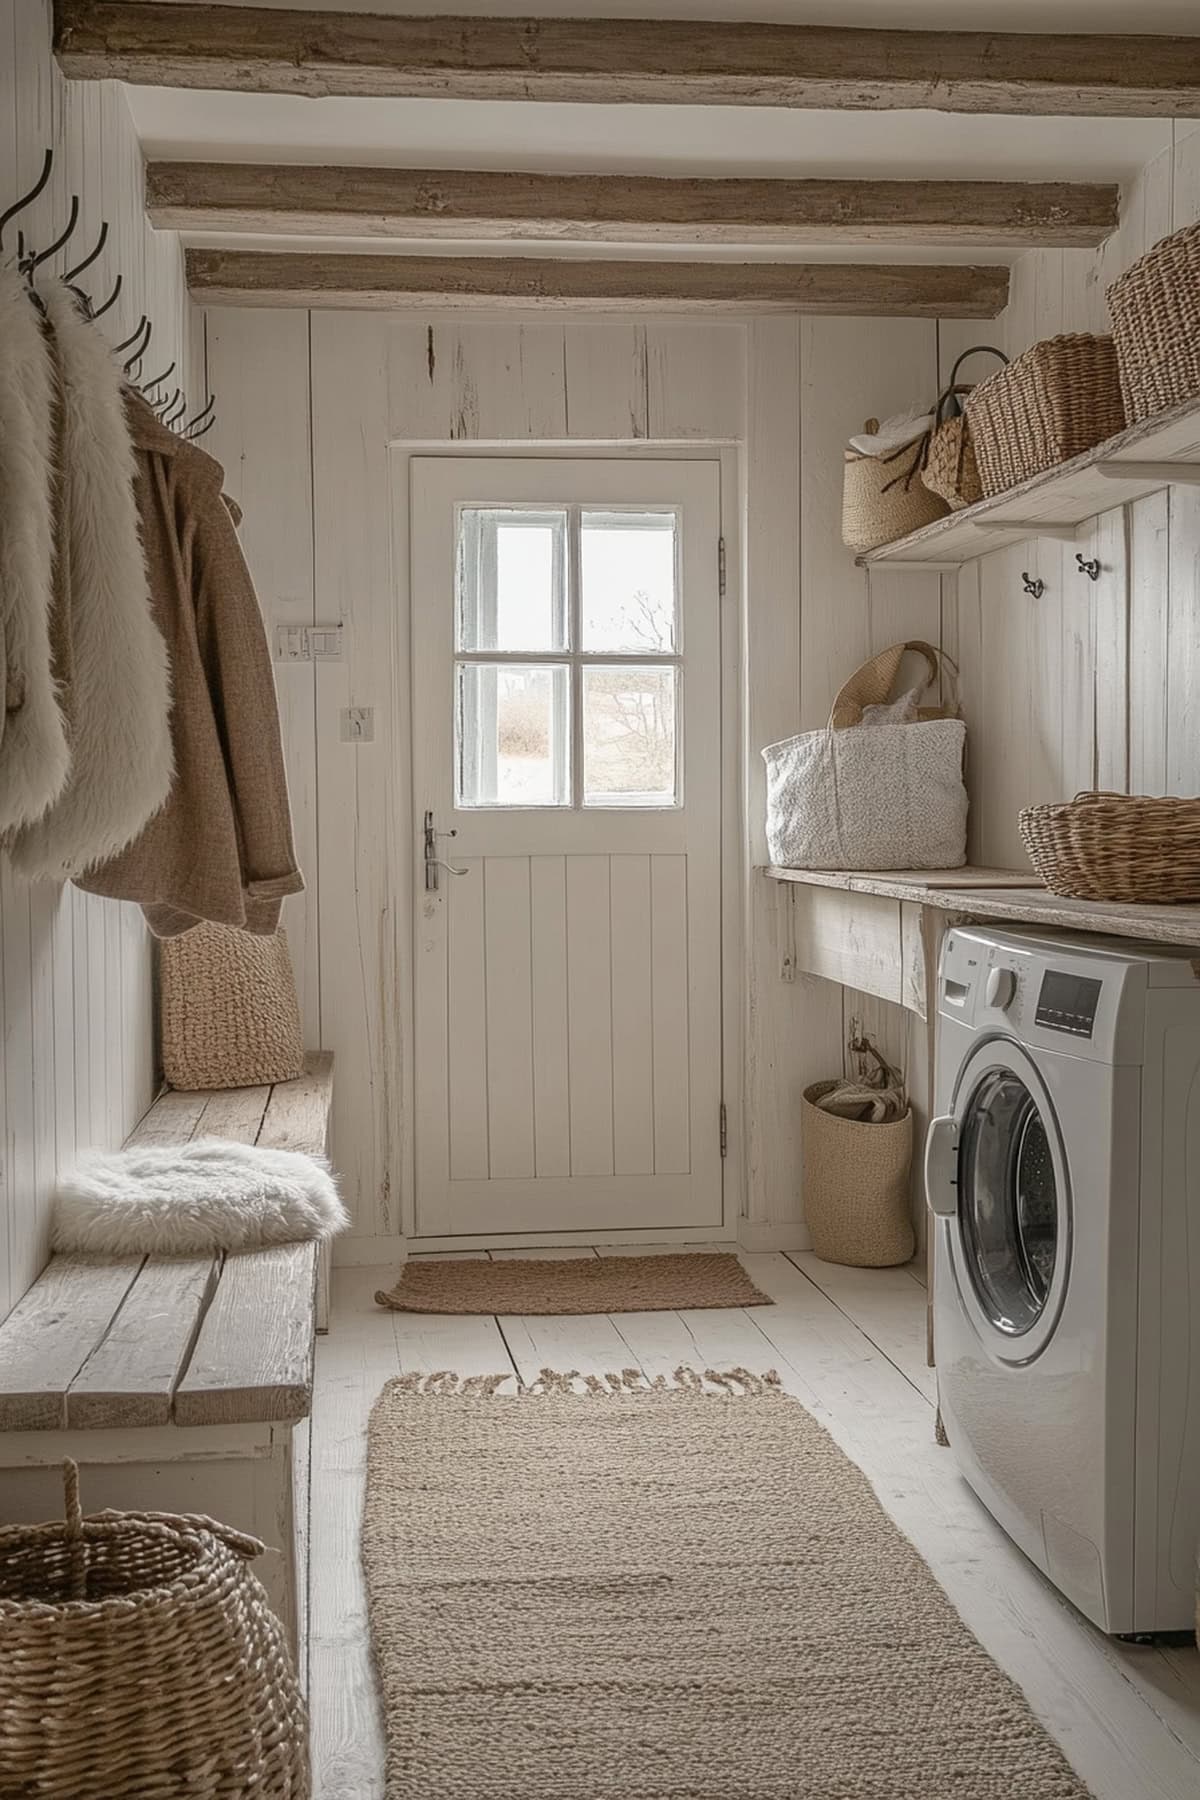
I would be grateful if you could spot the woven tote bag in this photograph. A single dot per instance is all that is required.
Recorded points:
(884, 497)
(872, 796)
(228, 1007)
(141, 1658)
(950, 467)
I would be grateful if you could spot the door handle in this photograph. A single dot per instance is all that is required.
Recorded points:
(941, 1166)
(434, 862)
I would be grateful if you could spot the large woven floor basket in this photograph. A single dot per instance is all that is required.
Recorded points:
(139, 1660)
(1133, 848)
(1054, 401)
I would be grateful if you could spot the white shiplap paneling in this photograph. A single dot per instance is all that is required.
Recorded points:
(76, 1024)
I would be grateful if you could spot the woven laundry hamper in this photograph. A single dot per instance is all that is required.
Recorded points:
(856, 1178)
(141, 1661)
(229, 1012)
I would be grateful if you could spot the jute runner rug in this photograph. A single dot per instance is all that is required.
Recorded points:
(584, 1284)
(664, 1594)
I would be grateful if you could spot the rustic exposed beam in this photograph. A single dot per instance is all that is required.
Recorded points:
(267, 278)
(699, 62)
(480, 204)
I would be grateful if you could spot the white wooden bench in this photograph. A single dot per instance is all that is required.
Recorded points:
(178, 1384)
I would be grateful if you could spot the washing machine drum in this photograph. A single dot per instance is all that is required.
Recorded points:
(1010, 1238)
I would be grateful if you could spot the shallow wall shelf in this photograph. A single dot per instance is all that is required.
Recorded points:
(1139, 460)
(1006, 895)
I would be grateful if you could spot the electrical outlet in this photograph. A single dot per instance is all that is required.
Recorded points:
(358, 724)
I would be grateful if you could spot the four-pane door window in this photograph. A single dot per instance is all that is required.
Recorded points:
(567, 657)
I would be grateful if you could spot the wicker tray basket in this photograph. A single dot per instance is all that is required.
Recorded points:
(1051, 403)
(1155, 310)
(140, 1658)
(1125, 847)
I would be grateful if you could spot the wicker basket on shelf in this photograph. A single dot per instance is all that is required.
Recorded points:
(1155, 310)
(1054, 401)
(1132, 848)
(884, 497)
(141, 1658)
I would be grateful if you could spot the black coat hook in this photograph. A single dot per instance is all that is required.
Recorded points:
(1089, 566)
(201, 416)
(173, 416)
(89, 259)
(1035, 587)
(162, 407)
(149, 386)
(193, 435)
(29, 198)
(98, 312)
(36, 258)
(142, 325)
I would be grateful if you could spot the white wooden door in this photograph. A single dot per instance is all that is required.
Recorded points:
(566, 703)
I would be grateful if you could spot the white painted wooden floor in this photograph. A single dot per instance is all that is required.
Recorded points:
(851, 1345)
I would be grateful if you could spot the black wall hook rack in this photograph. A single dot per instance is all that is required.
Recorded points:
(1033, 584)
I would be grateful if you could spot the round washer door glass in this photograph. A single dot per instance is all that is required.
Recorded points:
(1008, 1202)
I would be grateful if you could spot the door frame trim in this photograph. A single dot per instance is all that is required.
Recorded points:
(733, 840)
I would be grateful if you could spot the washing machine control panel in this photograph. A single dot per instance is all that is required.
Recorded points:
(1067, 1002)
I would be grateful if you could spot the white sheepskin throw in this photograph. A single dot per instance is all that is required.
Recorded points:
(183, 1199)
(34, 753)
(119, 700)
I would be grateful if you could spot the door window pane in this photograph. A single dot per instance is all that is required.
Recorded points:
(1008, 1203)
(629, 589)
(513, 734)
(629, 734)
(512, 578)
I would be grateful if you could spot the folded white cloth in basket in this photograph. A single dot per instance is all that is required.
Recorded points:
(183, 1199)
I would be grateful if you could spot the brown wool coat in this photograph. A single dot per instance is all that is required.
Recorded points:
(221, 848)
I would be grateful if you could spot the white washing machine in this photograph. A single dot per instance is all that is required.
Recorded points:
(1063, 1173)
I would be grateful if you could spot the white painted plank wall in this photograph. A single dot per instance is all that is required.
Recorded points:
(76, 1021)
(779, 386)
(1095, 684)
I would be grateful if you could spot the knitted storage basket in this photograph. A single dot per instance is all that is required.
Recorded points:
(141, 1662)
(856, 1179)
(884, 497)
(1054, 401)
(1155, 311)
(230, 1017)
(1100, 846)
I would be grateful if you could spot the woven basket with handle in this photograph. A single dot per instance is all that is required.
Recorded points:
(1054, 401)
(141, 1661)
(885, 497)
(228, 1007)
(1129, 847)
(951, 469)
(1155, 311)
(874, 682)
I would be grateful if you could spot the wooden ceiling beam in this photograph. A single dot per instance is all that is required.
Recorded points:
(627, 61)
(300, 201)
(268, 278)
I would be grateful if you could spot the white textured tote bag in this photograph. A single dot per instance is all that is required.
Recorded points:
(878, 795)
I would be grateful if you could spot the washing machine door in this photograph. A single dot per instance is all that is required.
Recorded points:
(1010, 1237)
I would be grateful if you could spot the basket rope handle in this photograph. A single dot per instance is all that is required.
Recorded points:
(73, 1530)
(872, 682)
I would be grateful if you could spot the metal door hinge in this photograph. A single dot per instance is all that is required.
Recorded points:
(721, 567)
(724, 1130)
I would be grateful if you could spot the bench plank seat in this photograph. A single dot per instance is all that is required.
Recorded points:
(132, 1341)
(131, 1376)
(50, 1334)
(253, 1359)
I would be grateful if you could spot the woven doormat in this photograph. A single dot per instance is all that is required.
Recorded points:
(584, 1284)
(645, 1593)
